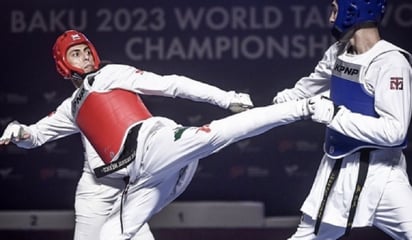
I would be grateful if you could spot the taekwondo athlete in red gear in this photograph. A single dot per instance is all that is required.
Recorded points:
(156, 155)
(362, 179)
(94, 197)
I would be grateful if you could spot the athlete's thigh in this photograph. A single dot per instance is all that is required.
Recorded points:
(136, 208)
(169, 150)
(394, 212)
(93, 204)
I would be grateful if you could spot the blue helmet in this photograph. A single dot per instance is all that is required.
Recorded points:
(354, 14)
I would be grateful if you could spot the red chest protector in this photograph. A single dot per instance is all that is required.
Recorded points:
(105, 119)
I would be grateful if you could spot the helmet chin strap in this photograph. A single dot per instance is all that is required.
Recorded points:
(77, 79)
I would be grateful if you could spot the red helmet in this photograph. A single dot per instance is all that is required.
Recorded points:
(64, 42)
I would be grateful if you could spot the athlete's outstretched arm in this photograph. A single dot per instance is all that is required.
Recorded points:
(54, 126)
(148, 83)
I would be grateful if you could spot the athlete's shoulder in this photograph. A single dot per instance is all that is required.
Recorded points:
(118, 69)
(336, 48)
(115, 67)
(332, 52)
(65, 106)
(392, 54)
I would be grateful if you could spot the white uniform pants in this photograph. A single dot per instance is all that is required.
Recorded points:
(169, 150)
(93, 204)
(393, 215)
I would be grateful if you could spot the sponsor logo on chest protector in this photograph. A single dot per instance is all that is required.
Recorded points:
(346, 70)
(78, 99)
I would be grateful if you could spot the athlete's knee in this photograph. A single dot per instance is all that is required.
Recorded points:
(305, 229)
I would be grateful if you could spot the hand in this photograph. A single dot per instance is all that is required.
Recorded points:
(240, 102)
(14, 132)
(321, 109)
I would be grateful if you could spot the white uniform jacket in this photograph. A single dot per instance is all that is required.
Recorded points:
(393, 106)
(61, 123)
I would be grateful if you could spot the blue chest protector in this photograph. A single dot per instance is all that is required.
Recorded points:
(346, 89)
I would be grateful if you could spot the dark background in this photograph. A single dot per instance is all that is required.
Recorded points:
(277, 167)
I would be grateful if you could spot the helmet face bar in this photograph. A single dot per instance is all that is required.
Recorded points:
(353, 14)
(62, 44)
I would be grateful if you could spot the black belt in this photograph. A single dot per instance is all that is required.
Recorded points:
(363, 172)
(123, 199)
(127, 155)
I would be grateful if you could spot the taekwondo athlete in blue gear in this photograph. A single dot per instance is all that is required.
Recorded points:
(362, 179)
